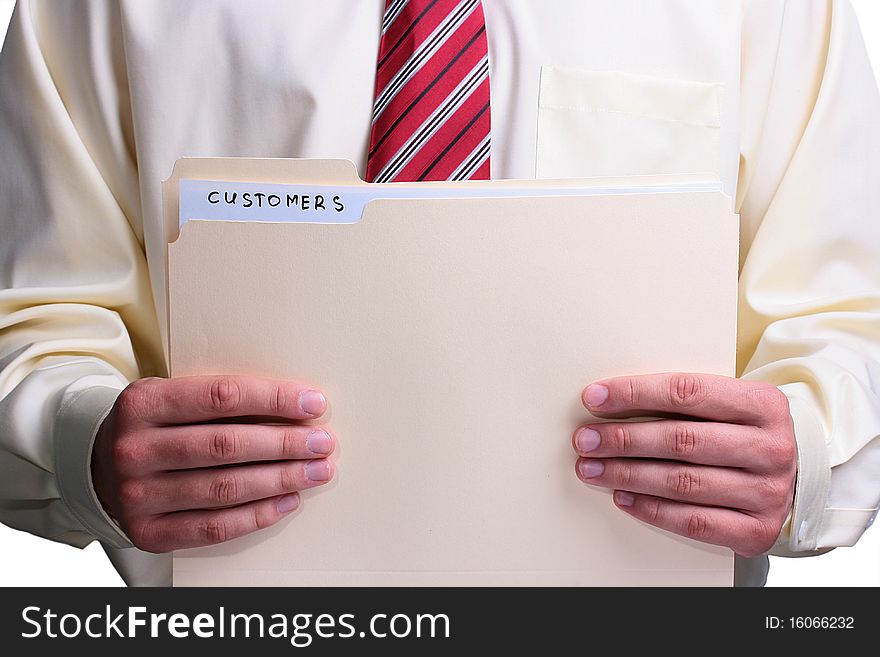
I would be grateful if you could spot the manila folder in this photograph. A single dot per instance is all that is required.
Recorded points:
(453, 338)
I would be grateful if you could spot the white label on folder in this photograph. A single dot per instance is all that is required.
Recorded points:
(332, 204)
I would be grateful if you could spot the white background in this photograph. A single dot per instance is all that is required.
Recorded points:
(29, 561)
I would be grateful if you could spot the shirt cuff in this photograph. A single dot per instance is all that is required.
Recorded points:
(76, 426)
(800, 533)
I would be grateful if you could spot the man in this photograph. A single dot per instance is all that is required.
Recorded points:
(99, 99)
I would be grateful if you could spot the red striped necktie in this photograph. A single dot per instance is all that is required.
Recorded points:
(431, 114)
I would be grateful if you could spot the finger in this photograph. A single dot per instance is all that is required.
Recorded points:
(723, 487)
(193, 399)
(708, 396)
(206, 445)
(212, 488)
(707, 443)
(188, 529)
(746, 535)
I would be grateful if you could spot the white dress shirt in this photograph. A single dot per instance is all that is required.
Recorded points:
(98, 99)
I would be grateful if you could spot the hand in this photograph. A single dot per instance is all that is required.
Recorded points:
(723, 472)
(174, 476)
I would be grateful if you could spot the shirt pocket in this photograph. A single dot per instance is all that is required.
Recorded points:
(615, 123)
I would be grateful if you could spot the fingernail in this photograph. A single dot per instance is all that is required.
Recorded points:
(596, 394)
(591, 468)
(587, 439)
(288, 503)
(319, 442)
(622, 498)
(312, 402)
(318, 470)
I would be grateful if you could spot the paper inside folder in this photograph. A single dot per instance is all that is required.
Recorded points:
(344, 204)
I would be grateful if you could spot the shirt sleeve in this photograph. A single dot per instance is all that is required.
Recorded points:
(809, 202)
(77, 320)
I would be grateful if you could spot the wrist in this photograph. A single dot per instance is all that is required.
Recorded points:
(76, 427)
(801, 529)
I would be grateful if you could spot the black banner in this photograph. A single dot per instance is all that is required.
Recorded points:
(432, 621)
